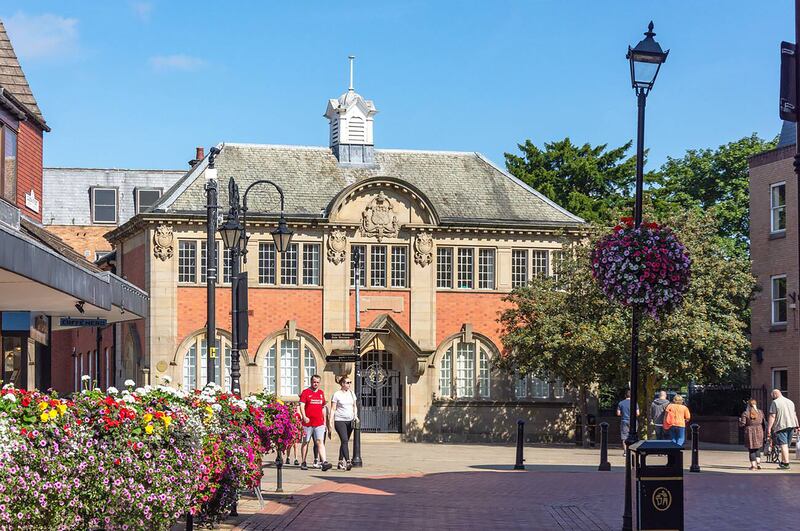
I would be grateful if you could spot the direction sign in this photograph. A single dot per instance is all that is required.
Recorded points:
(75, 321)
(340, 335)
(344, 358)
(374, 330)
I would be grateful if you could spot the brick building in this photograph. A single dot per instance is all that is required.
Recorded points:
(42, 280)
(774, 250)
(444, 236)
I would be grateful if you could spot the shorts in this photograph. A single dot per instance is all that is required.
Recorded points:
(784, 436)
(318, 432)
(624, 430)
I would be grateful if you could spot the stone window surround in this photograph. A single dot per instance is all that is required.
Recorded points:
(475, 266)
(307, 341)
(450, 345)
(366, 273)
(252, 262)
(195, 341)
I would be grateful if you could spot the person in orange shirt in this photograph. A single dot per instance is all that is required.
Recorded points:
(675, 416)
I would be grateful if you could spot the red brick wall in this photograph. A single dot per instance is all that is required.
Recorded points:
(132, 267)
(402, 318)
(84, 340)
(270, 308)
(774, 256)
(482, 310)
(29, 167)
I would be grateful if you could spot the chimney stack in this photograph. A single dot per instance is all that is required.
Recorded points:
(199, 154)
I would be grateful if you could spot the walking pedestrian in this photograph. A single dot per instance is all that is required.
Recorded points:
(675, 417)
(657, 409)
(316, 418)
(345, 415)
(782, 424)
(624, 412)
(752, 420)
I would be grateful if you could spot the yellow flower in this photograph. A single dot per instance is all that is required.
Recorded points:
(209, 411)
(42, 406)
(167, 419)
(53, 414)
(148, 417)
(62, 408)
(148, 429)
(45, 417)
(279, 401)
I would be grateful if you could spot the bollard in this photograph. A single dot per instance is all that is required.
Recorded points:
(604, 464)
(520, 440)
(279, 467)
(189, 521)
(695, 449)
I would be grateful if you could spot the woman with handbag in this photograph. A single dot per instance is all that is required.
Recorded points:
(345, 415)
(752, 420)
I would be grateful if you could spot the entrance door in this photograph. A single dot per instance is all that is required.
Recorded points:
(381, 395)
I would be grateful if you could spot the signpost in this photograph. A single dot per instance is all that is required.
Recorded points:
(346, 336)
(342, 358)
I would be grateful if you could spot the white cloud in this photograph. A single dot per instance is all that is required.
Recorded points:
(43, 36)
(142, 10)
(176, 61)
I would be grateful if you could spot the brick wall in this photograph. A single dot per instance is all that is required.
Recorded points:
(86, 240)
(482, 310)
(29, 168)
(132, 268)
(270, 308)
(774, 256)
(84, 340)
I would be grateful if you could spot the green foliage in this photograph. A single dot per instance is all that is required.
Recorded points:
(566, 327)
(591, 181)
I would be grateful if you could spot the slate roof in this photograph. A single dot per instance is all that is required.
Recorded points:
(12, 78)
(788, 135)
(463, 187)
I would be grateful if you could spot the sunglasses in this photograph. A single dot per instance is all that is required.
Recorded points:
(348, 381)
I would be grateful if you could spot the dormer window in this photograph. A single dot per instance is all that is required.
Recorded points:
(146, 198)
(104, 205)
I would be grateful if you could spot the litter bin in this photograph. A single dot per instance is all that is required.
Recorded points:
(659, 485)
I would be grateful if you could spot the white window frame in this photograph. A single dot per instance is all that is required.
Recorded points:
(94, 191)
(486, 268)
(312, 264)
(467, 266)
(138, 202)
(267, 264)
(200, 365)
(777, 300)
(444, 268)
(304, 372)
(535, 387)
(776, 209)
(398, 266)
(189, 268)
(477, 371)
(520, 267)
(540, 263)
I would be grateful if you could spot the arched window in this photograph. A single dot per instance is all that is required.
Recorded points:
(464, 369)
(195, 363)
(288, 364)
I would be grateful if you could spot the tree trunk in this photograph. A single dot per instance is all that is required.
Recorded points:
(649, 395)
(584, 406)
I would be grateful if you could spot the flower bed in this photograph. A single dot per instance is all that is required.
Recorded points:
(646, 267)
(136, 459)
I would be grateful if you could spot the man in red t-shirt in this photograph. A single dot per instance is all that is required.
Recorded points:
(314, 414)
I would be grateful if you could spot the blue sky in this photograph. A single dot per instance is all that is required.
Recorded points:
(139, 84)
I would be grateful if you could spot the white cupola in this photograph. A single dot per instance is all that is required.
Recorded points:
(350, 117)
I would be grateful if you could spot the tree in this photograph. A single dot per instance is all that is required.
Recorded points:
(712, 179)
(590, 181)
(569, 329)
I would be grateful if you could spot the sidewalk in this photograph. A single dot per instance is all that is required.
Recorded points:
(441, 486)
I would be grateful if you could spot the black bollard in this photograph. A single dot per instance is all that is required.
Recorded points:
(604, 464)
(189, 521)
(520, 440)
(695, 449)
(279, 467)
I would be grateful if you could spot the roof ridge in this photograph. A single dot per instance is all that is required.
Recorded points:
(110, 169)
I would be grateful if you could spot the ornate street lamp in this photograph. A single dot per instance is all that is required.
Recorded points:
(282, 235)
(645, 61)
(231, 231)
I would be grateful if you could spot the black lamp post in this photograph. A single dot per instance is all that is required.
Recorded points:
(645, 60)
(235, 238)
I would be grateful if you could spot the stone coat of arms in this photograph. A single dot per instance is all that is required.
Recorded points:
(423, 249)
(163, 242)
(337, 244)
(379, 219)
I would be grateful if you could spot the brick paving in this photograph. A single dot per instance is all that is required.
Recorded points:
(524, 500)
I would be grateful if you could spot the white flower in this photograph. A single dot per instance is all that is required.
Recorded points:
(8, 386)
(125, 392)
(113, 390)
(216, 407)
(128, 398)
(85, 378)
(139, 391)
(130, 383)
(10, 397)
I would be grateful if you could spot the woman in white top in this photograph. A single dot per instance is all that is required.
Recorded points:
(345, 415)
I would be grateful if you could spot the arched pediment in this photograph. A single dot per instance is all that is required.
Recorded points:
(406, 201)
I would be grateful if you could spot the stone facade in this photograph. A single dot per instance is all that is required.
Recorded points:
(774, 253)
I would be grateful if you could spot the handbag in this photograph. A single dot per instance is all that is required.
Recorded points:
(669, 417)
(356, 420)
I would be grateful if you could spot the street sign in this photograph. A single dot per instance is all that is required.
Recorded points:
(75, 321)
(340, 335)
(374, 330)
(344, 358)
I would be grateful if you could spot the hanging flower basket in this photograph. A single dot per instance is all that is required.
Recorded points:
(647, 267)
